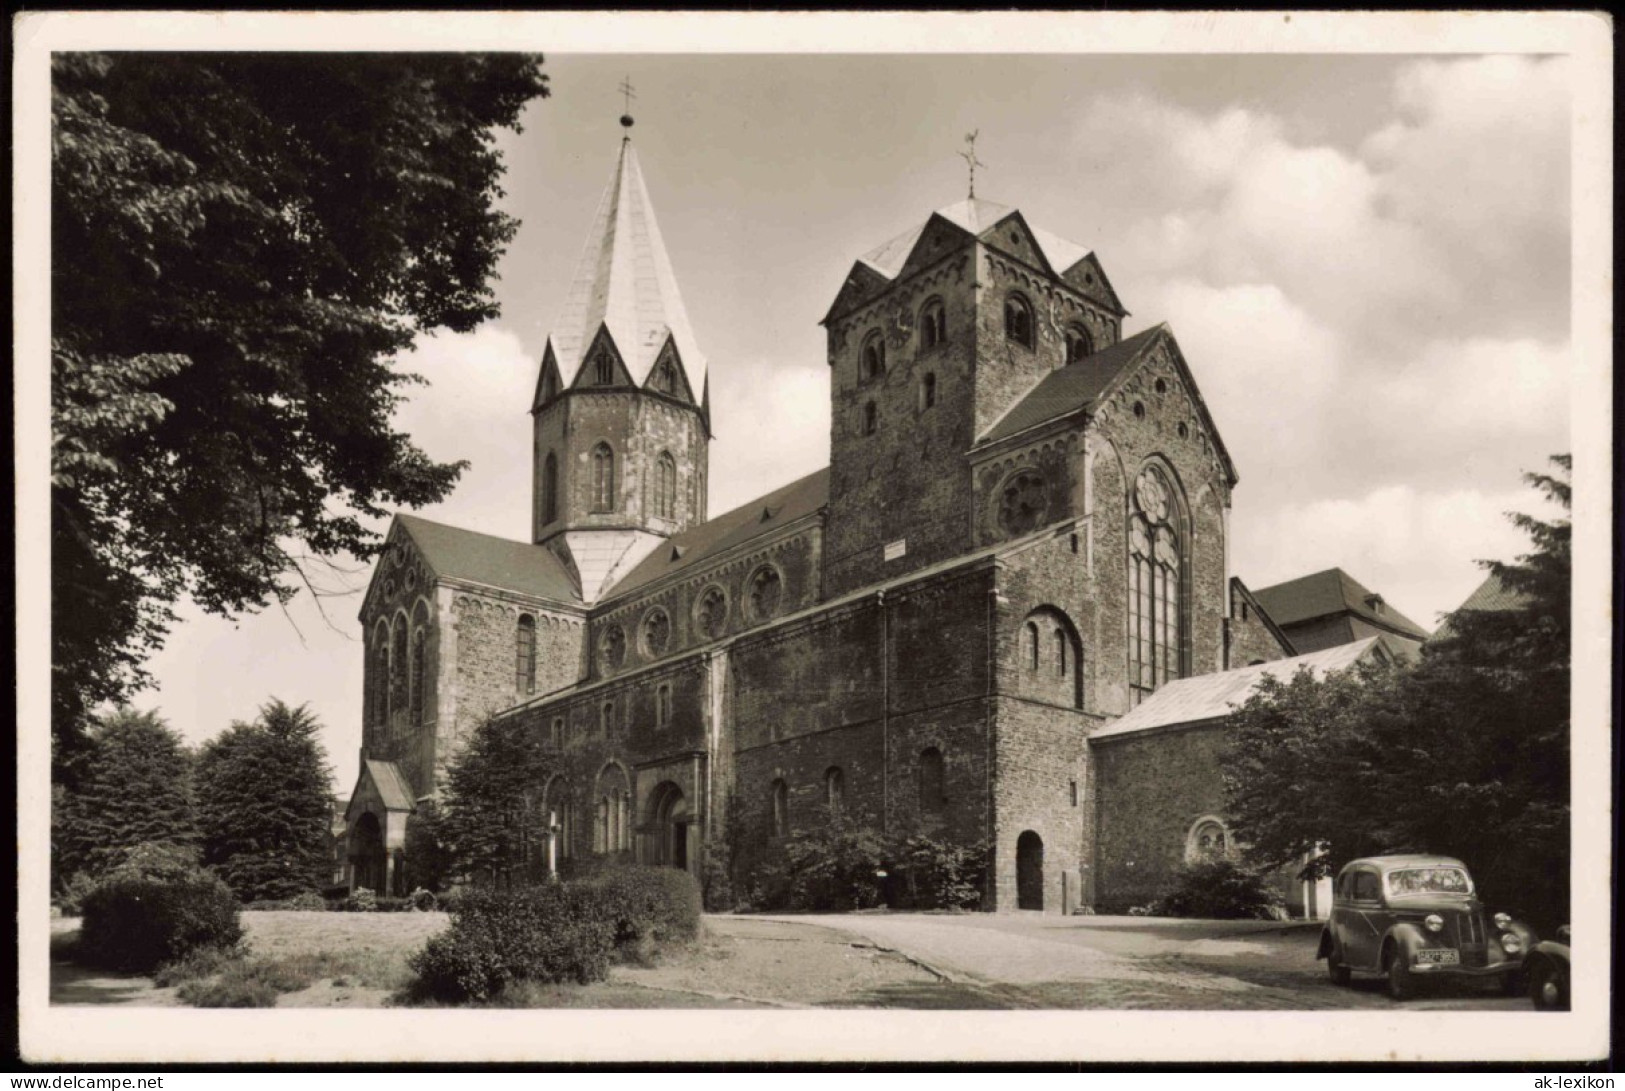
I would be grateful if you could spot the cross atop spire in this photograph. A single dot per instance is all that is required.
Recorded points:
(627, 95)
(969, 156)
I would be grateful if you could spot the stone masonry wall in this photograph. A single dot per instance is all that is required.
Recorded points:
(1250, 639)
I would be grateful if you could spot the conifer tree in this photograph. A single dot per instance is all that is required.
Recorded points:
(134, 788)
(264, 804)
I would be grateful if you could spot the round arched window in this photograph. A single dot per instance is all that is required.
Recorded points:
(1023, 502)
(614, 646)
(1208, 840)
(711, 612)
(766, 591)
(656, 632)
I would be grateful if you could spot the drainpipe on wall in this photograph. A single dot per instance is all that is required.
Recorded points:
(885, 715)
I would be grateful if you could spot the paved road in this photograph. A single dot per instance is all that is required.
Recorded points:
(1027, 960)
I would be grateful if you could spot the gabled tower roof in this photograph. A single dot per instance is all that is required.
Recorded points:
(624, 283)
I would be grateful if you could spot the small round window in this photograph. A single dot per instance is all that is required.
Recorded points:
(656, 632)
(1023, 502)
(614, 646)
(711, 612)
(766, 591)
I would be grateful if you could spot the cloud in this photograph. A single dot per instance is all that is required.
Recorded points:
(1415, 547)
(772, 427)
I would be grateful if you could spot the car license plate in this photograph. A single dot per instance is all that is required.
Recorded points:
(1445, 957)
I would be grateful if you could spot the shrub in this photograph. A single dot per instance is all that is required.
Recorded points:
(830, 869)
(308, 902)
(650, 906)
(155, 908)
(195, 965)
(1221, 890)
(557, 932)
(228, 991)
(933, 874)
(71, 901)
(423, 901)
(360, 900)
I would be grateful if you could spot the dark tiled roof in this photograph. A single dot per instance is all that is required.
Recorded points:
(1072, 387)
(1490, 595)
(1331, 592)
(697, 545)
(496, 562)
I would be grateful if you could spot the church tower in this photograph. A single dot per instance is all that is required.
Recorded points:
(621, 413)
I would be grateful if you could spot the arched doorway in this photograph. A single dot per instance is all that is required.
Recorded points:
(367, 854)
(670, 826)
(1029, 871)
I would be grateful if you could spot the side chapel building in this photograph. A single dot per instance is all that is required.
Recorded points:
(1021, 541)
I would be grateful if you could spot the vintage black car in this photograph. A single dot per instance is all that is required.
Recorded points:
(1418, 917)
(1547, 969)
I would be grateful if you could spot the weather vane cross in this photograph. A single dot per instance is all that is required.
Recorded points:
(969, 156)
(627, 95)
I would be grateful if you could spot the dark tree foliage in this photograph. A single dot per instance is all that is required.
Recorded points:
(134, 788)
(241, 244)
(264, 809)
(492, 826)
(1466, 753)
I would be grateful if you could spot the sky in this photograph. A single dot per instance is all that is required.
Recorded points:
(1365, 259)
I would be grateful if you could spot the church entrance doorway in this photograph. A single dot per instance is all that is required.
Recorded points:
(671, 826)
(367, 853)
(1029, 871)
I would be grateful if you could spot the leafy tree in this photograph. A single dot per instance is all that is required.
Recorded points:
(428, 861)
(241, 244)
(134, 788)
(264, 811)
(492, 825)
(1466, 753)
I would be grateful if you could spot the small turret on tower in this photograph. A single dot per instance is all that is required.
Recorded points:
(621, 427)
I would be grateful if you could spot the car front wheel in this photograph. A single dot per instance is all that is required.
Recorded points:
(1548, 990)
(1401, 985)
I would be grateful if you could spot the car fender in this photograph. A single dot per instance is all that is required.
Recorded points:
(1407, 937)
(1547, 951)
(1327, 943)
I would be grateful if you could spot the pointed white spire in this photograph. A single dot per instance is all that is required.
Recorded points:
(624, 282)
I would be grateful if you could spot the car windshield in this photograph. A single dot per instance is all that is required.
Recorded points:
(1429, 880)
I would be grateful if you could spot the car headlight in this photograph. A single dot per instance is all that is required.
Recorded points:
(1502, 921)
(1434, 922)
(1510, 943)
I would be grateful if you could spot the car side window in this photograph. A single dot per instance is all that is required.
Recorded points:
(1365, 886)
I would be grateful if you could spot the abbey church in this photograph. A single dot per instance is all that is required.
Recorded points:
(1003, 614)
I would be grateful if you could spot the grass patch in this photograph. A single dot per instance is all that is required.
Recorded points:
(196, 965)
(238, 981)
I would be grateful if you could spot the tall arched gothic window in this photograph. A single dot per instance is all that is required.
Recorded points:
(666, 486)
(550, 489)
(1155, 614)
(420, 654)
(399, 686)
(524, 669)
(380, 673)
(603, 478)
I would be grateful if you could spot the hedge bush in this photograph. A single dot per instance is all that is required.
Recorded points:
(556, 932)
(550, 933)
(1218, 890)
(154, 908)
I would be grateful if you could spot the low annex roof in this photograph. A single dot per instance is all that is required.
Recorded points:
(522, 567)
(1490, 596)
(700, 543)
(1332, 592)
(1210, 696)
(388, 781)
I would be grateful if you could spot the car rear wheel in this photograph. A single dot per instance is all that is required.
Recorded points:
(1548, 991)
(1401, 985)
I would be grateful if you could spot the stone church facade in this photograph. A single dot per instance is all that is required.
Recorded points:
(1022, 536)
